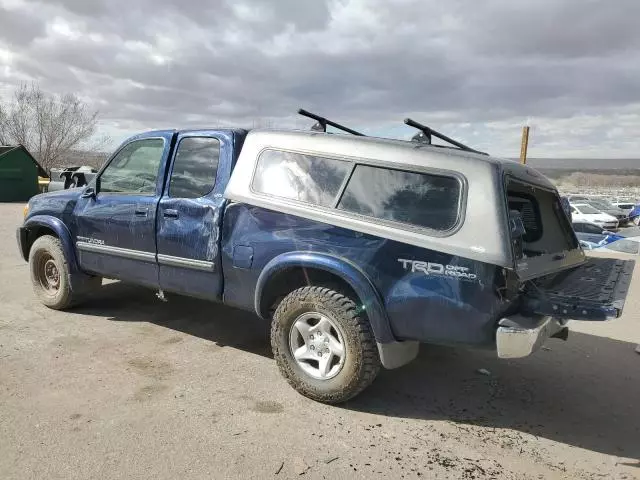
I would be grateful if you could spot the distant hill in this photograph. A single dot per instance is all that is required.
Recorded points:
(583, 175)
(581, 164)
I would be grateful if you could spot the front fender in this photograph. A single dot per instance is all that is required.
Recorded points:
(342, 268)
(61, 231)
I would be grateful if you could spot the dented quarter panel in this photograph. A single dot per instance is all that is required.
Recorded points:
(420, 306)
(340, 266)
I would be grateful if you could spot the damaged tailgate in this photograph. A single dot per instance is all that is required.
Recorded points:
(596, 290)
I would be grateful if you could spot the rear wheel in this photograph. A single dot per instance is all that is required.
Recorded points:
(324, 345)
(50, 275)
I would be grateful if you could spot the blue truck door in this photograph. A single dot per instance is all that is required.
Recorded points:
(190, 214)
(115, 230)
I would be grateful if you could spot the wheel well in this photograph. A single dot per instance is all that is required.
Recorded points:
(290, 279)
(33, 233)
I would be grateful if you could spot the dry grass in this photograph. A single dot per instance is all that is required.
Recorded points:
(581, 179)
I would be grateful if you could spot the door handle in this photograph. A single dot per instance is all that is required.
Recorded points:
(170, 213)
(141, 212)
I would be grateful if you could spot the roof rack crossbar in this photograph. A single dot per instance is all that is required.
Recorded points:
(323, 122)
(429, 132)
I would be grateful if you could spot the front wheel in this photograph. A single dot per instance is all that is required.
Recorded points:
(323, 344)
(636, 221)
(50, 275)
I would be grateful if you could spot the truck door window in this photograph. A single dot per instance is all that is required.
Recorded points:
(195, 167)
(134, 169)
(305, 178)
(425, 200)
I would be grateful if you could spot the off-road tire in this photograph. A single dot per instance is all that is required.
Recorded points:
(362, 362)
(636, 221)
(48, 247)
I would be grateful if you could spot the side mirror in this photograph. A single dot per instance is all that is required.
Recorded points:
(89, 192)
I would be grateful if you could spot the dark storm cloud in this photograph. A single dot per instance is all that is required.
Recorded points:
(556, 28)
(368, 62)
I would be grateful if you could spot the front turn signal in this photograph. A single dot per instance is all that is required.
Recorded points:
(25, 211)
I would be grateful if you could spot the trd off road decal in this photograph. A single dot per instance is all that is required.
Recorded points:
(437, 269)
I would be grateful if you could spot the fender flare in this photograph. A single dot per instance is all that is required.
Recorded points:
(60, 230)
(342, 268)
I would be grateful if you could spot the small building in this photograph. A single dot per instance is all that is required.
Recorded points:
(19, 173)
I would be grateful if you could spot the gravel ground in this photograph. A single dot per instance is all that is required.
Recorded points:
(129, 387)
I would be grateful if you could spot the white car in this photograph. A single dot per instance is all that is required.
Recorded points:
(583, 212)
(626, 206)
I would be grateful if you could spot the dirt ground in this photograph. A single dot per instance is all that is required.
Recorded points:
(129, 387)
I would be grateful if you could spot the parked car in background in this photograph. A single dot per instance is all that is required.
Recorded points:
(607, 207)
(593, 233)
(587, 213)
(625, 206)
(615, 243)
(634, 215)
(578, 198)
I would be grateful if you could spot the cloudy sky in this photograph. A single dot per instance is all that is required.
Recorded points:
(476, 70)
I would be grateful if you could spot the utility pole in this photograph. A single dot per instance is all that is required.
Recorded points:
(524, 145)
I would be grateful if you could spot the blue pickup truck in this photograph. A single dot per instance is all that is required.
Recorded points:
(356, 249)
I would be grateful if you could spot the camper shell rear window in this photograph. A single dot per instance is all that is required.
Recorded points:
(546, 226)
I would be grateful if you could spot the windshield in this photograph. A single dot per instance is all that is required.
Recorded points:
(600, 204)
(588, 209)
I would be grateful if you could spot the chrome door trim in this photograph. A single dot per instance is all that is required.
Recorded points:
(116, 251)
(172, 261)
(167, 260)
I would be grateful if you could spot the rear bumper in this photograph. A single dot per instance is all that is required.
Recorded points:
(607, 224)
(520, 336)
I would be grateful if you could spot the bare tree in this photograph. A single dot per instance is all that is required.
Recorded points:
(51, 127)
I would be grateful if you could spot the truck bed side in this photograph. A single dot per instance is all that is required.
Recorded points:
(429, 296)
